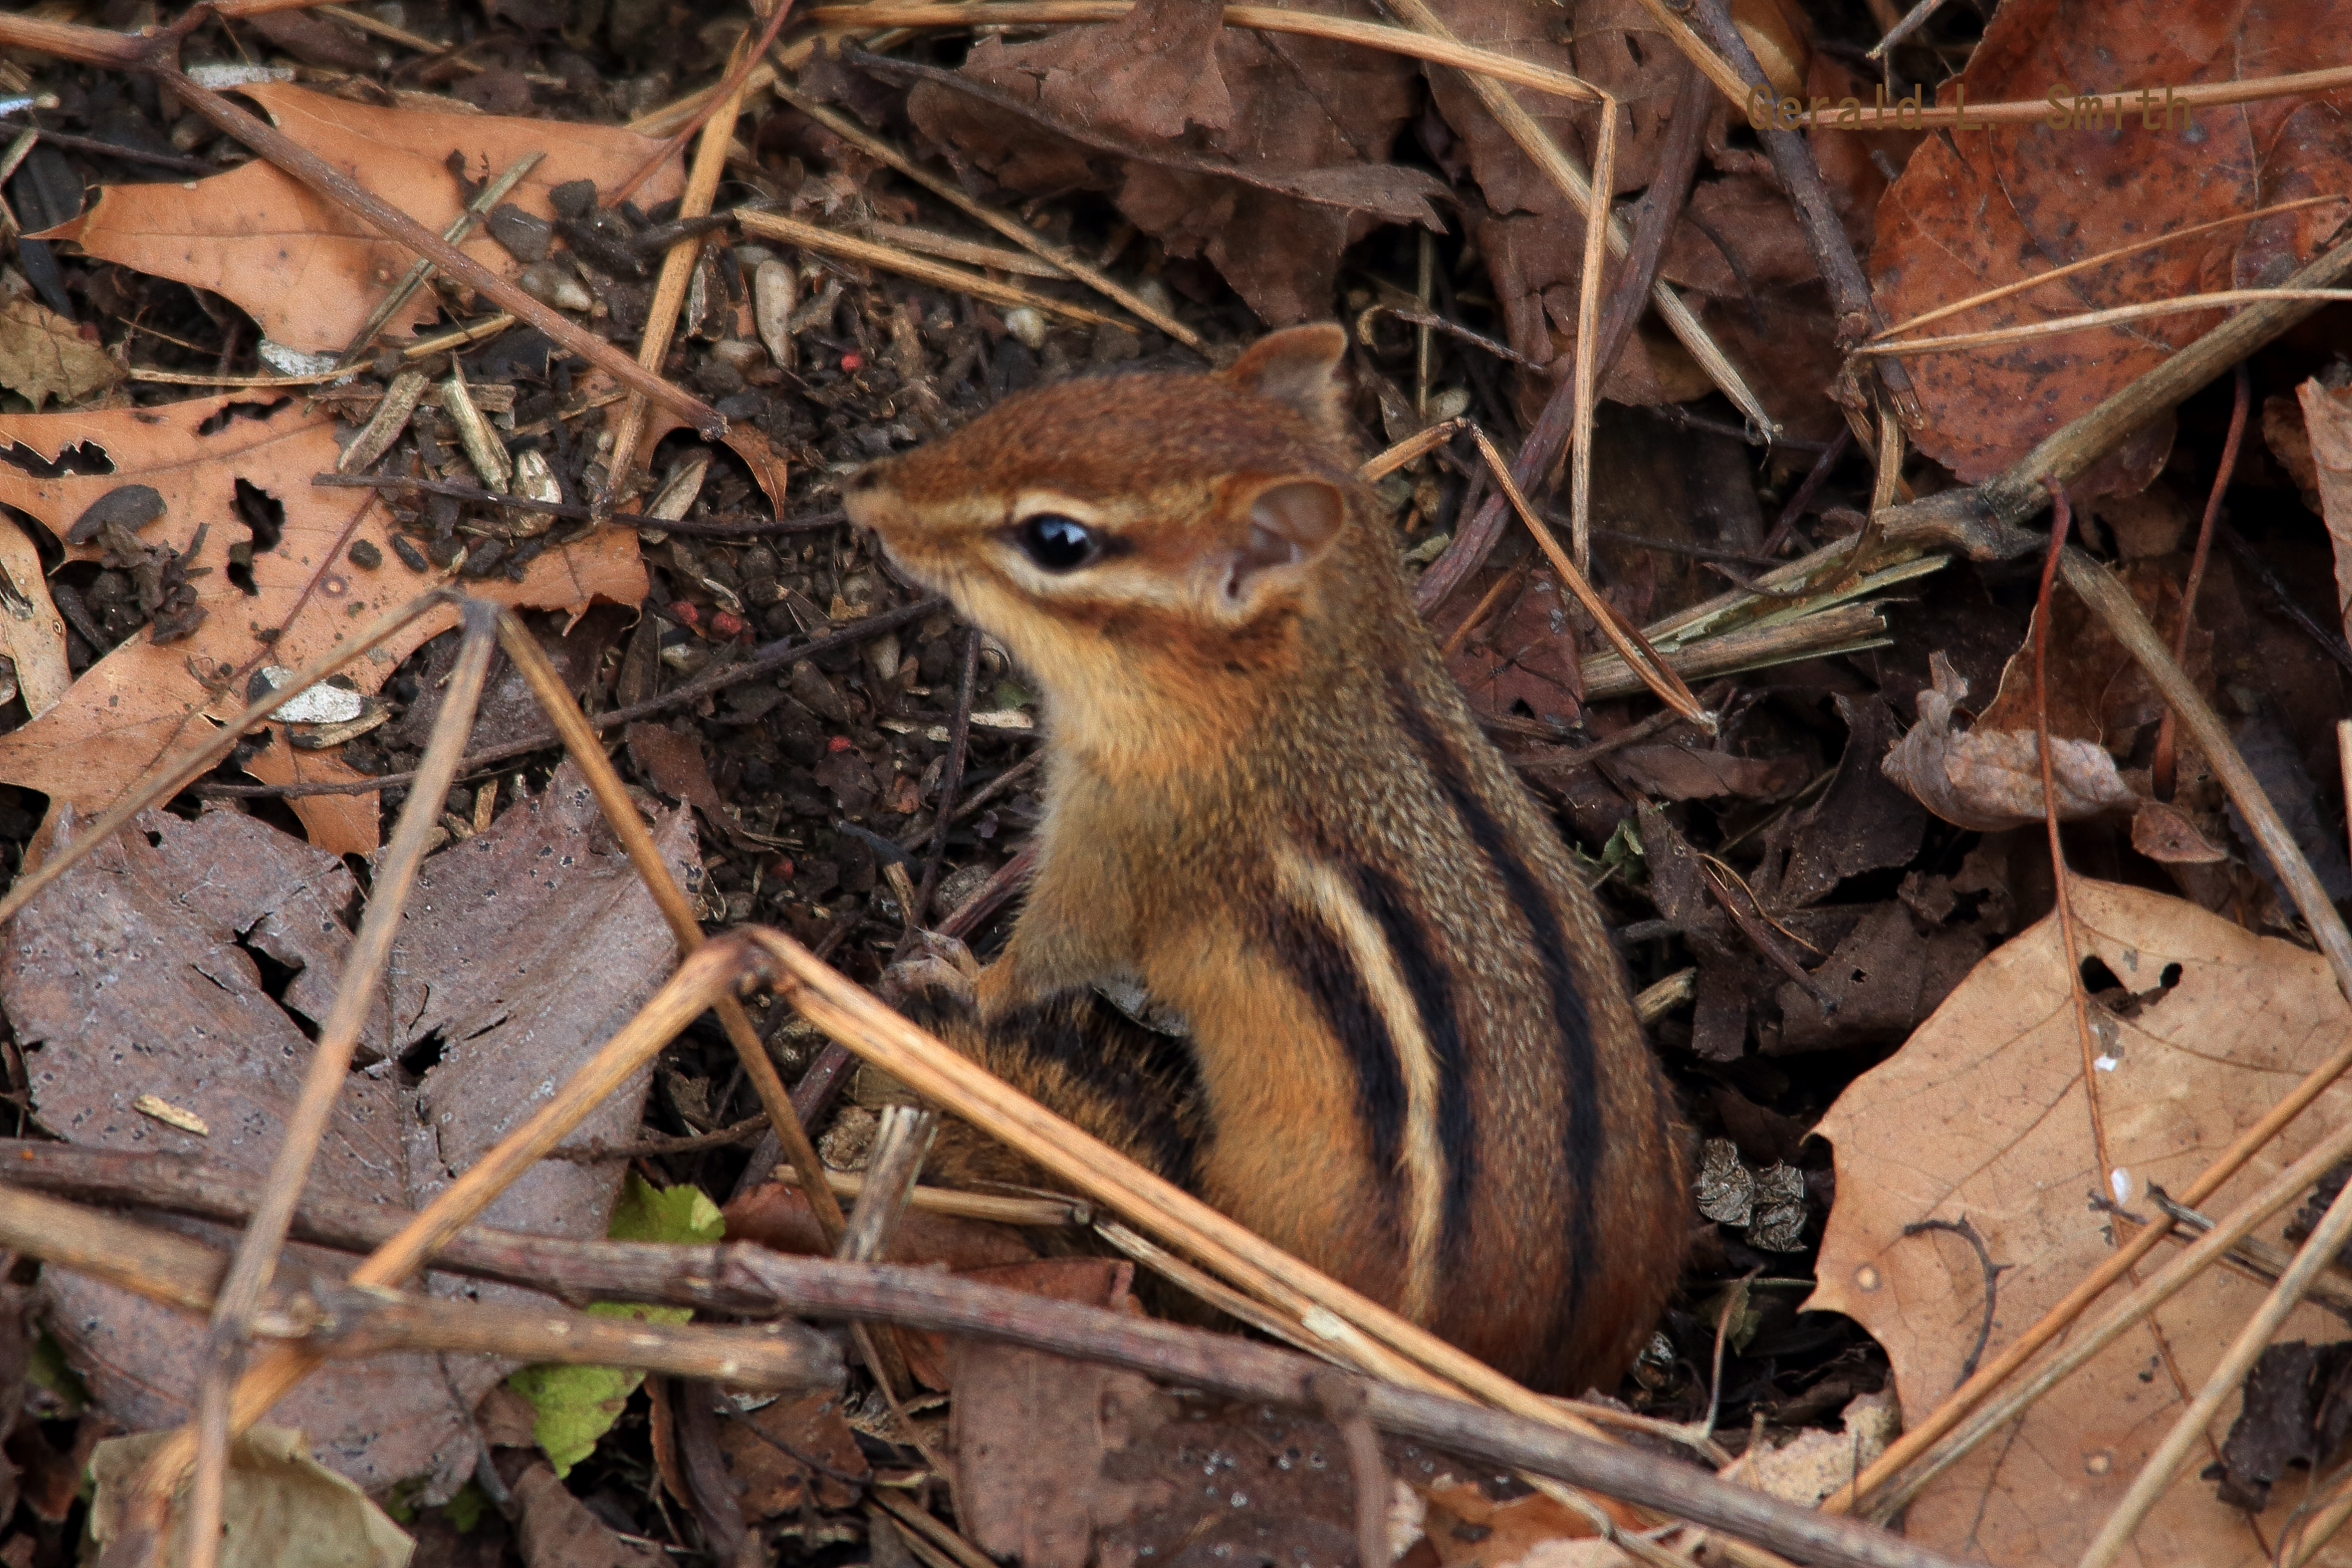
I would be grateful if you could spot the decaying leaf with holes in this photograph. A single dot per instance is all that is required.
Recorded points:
(258, 573)
(309, 273)
(1981, 1121)
(136, 988)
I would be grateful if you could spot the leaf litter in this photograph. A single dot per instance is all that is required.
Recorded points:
(2199, 1027)
(138, 975)
(305, 271)
(278, 582)
(1819, 919)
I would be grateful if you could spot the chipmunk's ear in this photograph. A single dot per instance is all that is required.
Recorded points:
(1300, 366)
(1286, 525)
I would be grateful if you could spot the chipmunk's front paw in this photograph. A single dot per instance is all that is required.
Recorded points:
(937, 975)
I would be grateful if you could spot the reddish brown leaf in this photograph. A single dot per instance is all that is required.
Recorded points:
(1981, 209)
(1317, 114)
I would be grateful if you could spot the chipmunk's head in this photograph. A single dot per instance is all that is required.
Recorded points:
(1152, 522)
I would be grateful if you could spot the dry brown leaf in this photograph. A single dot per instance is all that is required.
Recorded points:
(283, 1509)
(2165, 833)
(1309, 112)
(309, 273)
(1467, 1528)
(338, 823)
(759, 1449)
(1989, 779)
(2327, 419)
(673, 765)
(134, 975)
(1983, 208)
(1687, 773)
(1814, 1464)
(32, 633)
(143, 701)
(44, 355)
(559, 1530)
(1982, 1119)
(1880, 982)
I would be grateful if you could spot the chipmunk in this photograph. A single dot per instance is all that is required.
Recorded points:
(1409, 1056)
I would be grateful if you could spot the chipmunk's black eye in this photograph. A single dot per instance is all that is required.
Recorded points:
(1058, 543)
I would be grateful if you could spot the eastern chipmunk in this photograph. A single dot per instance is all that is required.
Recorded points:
(1412, 1059)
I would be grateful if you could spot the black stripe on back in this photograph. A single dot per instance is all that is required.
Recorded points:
(1582, 1134)
(1317, 960)
(1433, 998)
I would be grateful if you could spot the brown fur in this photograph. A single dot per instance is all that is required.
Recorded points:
(1216, 766)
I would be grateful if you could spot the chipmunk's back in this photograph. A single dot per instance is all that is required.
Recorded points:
(1410, 1055)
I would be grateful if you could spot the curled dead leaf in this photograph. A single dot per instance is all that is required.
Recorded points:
(1991, 779)
(44, 355)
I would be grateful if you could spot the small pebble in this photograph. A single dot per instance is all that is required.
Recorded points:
(775, 293)
(553, 283)
(1027, 323)
(526, 238)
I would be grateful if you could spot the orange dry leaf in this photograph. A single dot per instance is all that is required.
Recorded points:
(144, 701)
(1981, 1120)
(338, 823)
(309, 273)
(1977, 209)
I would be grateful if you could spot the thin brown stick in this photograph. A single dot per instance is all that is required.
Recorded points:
(1662, 204)
(733, 89)
(900, 1146)
(1012, 228)
(678, 263)
(2115, 605)
(1631, 646)
(581, 744)
(485, 200)
(811, 237)
(322, 1081)
(1258, 18)
(1588, 338)
(1847, 628)
(1976, 116)
(1817, 217)
(340, 190)
(2070, 947)
(165, 778)
(2059, 326)
(1341, 1398)
(338, 1321)
(2161, 768)
(768, 657)
(1509, 582)
(1573, 183)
